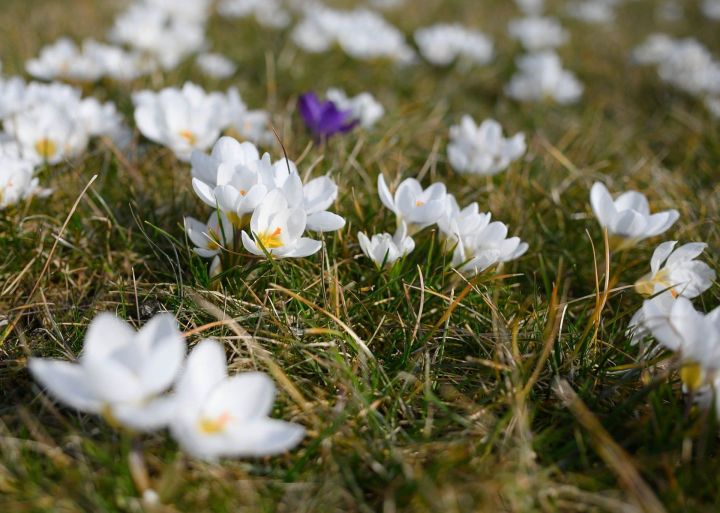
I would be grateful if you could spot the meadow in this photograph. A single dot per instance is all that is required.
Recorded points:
(421, 389)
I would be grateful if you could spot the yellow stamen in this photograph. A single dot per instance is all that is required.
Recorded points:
(419, 203)
(213, 426)
(238, 221)
(214, 240)
(693, 376)
(271, 240)
(647, 284)
(46, 148)
(189, 137)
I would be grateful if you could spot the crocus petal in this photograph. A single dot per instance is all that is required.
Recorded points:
(204, 369)
(166, 353)
(686, 253)
(265, 437)
(305, 247)
(602, 204)
(385, 196)
(106, 334)
(244, 397)
(146, 417)
(324, 222)
(66, 382)
(660, 255)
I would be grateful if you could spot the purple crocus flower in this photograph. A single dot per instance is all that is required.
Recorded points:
(323, 118)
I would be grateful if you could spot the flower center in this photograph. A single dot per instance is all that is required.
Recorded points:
(46, 148)
(646, 285)
(419, 203)
(271, 240)
(216, 425)
(693, 376)
(213, 240)
(189, 137)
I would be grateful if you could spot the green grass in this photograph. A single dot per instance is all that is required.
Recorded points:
(457, 409)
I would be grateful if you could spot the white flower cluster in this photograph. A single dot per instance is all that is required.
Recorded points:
(538, 33)
(189, 118)
(675, 278)
(63, 60)
(267, 199)
(142, 381)
(711, 9)
(482, 150)
(593, 11)
(363, 108)
(475, 242)
(685, 64)
(444, 43)
(361, 33)
(268, 13)
(541, 76)
(164, 31)
(46, 124)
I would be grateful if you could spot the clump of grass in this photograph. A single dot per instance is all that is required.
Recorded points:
(421, 390)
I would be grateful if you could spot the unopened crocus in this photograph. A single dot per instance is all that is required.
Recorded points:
(385, 249)
(323, 118)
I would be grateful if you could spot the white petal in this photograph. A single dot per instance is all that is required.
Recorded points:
(66, 382)
(245, 397)
(324, 222)
(147, 417)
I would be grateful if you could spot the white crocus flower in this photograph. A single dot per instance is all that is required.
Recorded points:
(155, 32)
(220, 415)
(229, 178)
(364, 107)
(592, 11)
(443, 43)
(457, 224)
(103, 119)
(538, 33)
(628, 217)
(211, 237)
(184, 119)
(121, 373)
(411, 203)
(63, 59)
(361, 33)
(16, 180)
(48, 132)
(677, 326)
(681, 273)
(12, 96)
(483, 150)
(655, 49)
(277, 229)
(542, 77)
(268, 13)
(385, 249)
(216, 65)
(485, 247)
